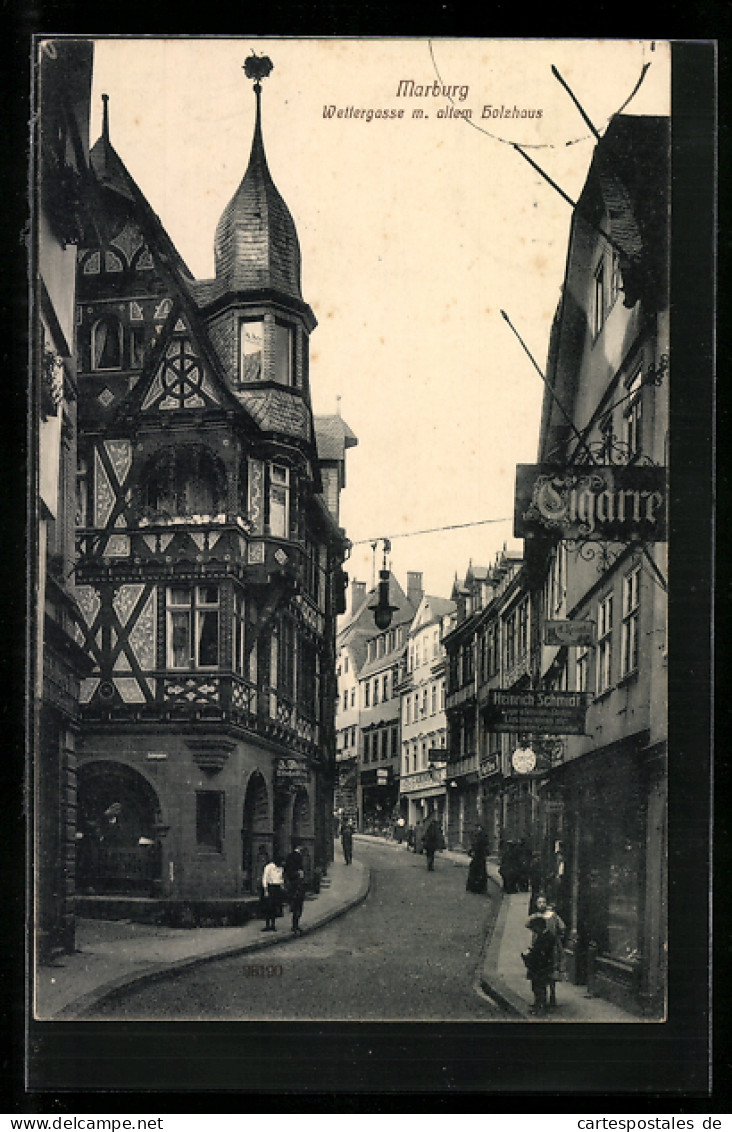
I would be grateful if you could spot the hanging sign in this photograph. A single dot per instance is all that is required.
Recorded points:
(291, 772)
(604, 502)
(569, 633)
(551, 713)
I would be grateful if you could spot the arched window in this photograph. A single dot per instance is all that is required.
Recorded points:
(107, 343)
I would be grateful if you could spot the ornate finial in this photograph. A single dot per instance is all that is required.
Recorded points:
(257, 67)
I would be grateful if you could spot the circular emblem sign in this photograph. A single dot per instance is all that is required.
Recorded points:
(523, 760)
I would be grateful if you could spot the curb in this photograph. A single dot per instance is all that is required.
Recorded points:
(490, 981)
(108, 991)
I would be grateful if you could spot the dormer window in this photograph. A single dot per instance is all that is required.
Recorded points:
(267, 351)
(284, 353)
(252, 352)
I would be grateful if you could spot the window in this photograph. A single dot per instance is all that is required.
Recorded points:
(434, 699)
(82, 493)
(604, 643)
(629, 639)
(107, 343)
(394, 742)
(239, 657)
(193, 627)
(210, 819)
(279, 501)
(523, 628)
(353, 697)
(424, 702)
(366, 747)
(598, 301)
(345, 700)
(252, 352)
(384, 744)
(366, 690)
(616, 281)
(345, 663)
(582, 669)
(385, 687)
(376, 691)
(632, 415)
(284, 353)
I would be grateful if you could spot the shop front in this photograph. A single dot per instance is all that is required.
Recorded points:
(379, 800)
(613, 894)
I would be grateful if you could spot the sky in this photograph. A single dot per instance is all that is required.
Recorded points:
(415, 232)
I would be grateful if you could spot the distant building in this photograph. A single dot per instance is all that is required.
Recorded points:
(423, 720)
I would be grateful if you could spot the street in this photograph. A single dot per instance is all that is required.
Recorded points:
(410, 952)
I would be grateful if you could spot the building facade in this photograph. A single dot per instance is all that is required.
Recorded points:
(604, 435)
(423, 719)
(64, 218)
(210, 553)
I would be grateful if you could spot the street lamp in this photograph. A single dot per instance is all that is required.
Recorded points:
(382, 610)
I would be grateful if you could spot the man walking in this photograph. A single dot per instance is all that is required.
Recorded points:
(347, 842)
(431, 842)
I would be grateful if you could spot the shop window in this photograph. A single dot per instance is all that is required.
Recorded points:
(193, 627)
(629, 630)
(604, 643)
(210, 819)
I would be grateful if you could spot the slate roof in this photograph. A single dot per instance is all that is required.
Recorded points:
(256, 244)
(333, 437)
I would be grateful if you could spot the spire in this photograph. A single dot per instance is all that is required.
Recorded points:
(256, 244)
(105, 117)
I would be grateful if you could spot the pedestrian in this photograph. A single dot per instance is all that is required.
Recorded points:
(508, 867)
(431, 842)
(536, 881)
(477, 873)
(557, 928)
(294, 877)
(347, 842)
(272, 888)
(539, 962)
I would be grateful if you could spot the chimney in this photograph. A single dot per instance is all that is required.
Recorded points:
(414, 587)
(358, 593)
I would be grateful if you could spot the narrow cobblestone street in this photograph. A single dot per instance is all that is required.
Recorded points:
(411, 951)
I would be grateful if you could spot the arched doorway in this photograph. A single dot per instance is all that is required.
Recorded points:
(118, 838)
(255, 833)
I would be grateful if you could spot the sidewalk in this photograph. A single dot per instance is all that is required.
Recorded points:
(115, 954)
(504, 974)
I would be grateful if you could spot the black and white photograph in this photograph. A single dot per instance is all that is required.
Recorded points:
(350, 393)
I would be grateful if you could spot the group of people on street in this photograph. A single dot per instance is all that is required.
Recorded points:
(280, 883)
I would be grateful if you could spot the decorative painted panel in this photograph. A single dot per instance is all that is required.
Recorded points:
(129, 689)
(118, 546)
(142, 635)
(88, 687)
(128, 241)
(88, 601)
(125, 600)
(120, 455)
(103, 494)
(256, 496)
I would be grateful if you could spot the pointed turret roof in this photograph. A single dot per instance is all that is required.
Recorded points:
(256, 244)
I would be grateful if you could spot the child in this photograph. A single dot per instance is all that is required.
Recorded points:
(539, 960)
